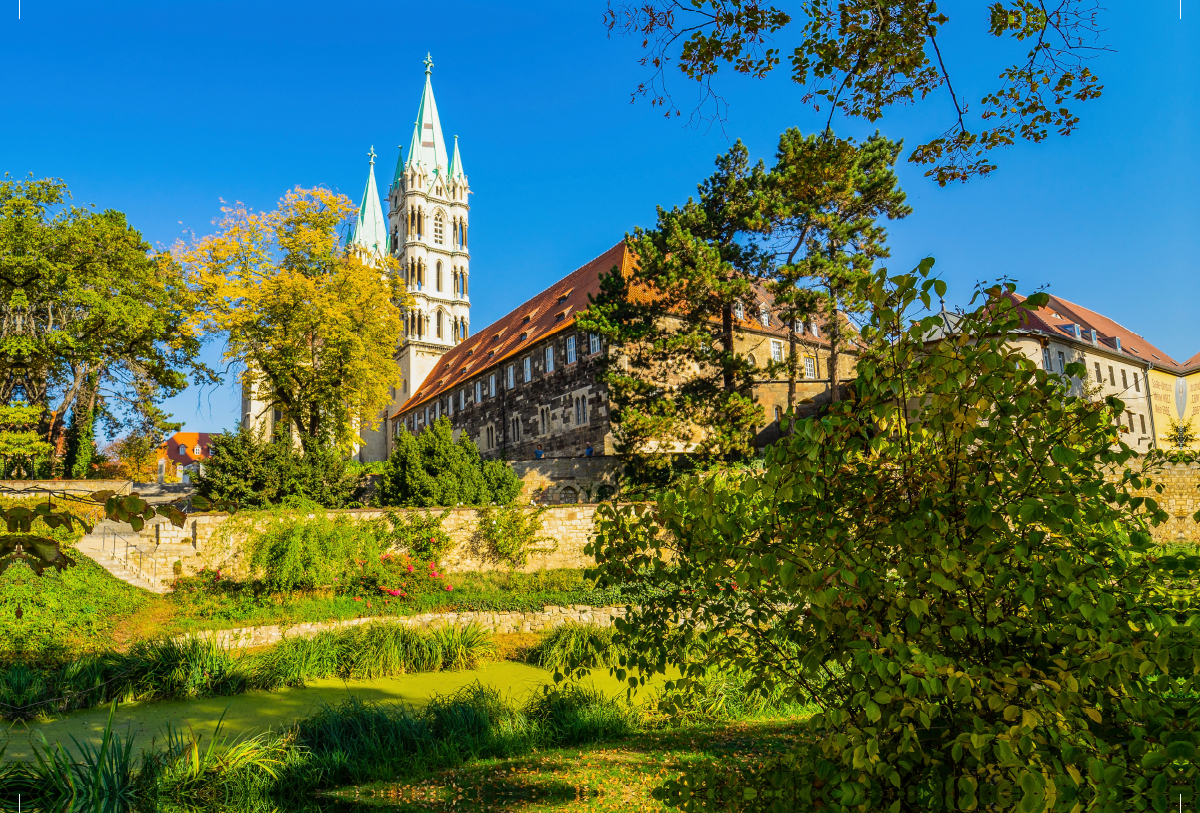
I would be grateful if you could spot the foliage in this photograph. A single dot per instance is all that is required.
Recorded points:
(431, 469)
(509, 533)
(23, 451)
(313, 325)
(572, 644)
(419, 533)
(78, 463)
(294, 551)
(827, 197)
(678, 313)
(860, 58)
(252, 472)
(90, 309)
(945, 566)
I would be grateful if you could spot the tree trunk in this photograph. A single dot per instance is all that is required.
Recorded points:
(835, 337)
(791, 401)
(727, 340)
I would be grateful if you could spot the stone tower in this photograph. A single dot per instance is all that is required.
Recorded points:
(428, 230)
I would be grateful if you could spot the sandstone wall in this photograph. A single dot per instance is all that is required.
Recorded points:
(1180, 499)
(546, 619)
(218, 541)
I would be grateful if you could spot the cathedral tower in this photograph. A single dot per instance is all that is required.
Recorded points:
(428, 209)
(428, 230)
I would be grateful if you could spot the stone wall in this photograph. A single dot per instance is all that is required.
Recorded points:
(80, 487)
(1180, 499)
(218, 541)
(559, 481)
(546, 619)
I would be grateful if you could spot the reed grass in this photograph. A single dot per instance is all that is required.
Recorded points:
(576, 644)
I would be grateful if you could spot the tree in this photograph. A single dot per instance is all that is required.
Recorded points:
(81, 437)
(828, 195)
(946, 565)
(679, 382)
(246, 470)
(87, 307)
(432, 469)
(860, 57)
(313, 325)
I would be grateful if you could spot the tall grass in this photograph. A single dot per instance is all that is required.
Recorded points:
(182, 669)
(577, 644)
(353, 741)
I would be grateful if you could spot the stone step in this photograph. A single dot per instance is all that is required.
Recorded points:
(118, 569)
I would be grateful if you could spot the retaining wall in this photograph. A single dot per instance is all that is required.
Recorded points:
(546, 619)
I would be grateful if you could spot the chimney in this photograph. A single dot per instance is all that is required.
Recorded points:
(1094, 337)
(1117, 339)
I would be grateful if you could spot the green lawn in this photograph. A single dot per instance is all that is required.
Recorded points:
(612, 776)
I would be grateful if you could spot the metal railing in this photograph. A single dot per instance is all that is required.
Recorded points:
(130, 550)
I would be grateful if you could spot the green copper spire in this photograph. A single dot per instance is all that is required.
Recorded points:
(428, 149)
(370, 230)
(456, 167)
(399, 167)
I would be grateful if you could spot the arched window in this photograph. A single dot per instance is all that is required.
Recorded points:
(420, 274)
(454, 276)
(464, 283)
(439, 228)
(439, 324)
(439, 276)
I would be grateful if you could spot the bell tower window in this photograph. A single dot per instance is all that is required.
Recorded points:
(439, 276)
(439, 228)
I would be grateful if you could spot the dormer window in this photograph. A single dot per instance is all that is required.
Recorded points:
(764, 316)
(738, 311)
(183, 449)
(525, 321)
(524, 336)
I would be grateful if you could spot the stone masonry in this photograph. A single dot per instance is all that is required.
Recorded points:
(546, 619)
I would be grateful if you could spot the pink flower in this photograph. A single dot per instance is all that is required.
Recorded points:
(356, 598)
(410, 568)
(434, 574)
(449, 587)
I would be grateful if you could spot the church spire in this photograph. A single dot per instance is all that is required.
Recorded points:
(370, 229)
(428, 149)
(456, 170)
(399, 167)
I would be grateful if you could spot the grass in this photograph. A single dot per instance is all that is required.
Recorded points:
(610, 776)
(174, 669)
(577, 644)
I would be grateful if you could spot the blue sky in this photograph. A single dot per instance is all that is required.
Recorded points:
(160, 110)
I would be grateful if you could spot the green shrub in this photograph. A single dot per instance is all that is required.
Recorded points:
(431, 469)
(508, 532)
(419, 534)
(577, 644)
(252, 472)
(294, 551)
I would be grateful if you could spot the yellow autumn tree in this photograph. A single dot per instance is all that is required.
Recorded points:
(313, 325)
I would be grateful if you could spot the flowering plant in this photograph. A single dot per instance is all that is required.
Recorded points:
(401, 576)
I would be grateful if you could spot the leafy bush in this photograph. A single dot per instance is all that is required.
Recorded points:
(578, 644)
(295, 551)
(418, 534)
(431, 469)
(509, 532)
(252, 472)
(946, 563)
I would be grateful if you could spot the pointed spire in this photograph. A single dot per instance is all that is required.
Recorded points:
(399, 166)
(428, 148)
(370, 229)
(456, 170)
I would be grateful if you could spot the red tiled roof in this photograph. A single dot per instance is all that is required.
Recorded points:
(511, 334)
(170, 447)
(1058, 315)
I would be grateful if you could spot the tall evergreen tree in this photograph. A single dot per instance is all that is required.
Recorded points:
(679, 382)
(828, 196)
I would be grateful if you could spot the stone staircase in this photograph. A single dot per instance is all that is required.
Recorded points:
(116, 548)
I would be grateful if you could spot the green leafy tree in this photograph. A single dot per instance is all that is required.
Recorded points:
(861, 57)
(245, 469)
(81, 442)
(946, 566)
(431, 469)
(22, 448)
(88, 307)
(828, 197)
(679, 382)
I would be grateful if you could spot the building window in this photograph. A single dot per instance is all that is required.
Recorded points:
(764, 316)
(438, 276)
(549, 358)
(581, 415)
(752, 360)
(462, 400)
(528, 369)
(1062, 363)
(776, 351)
(1130, 416)
(1125, 385)
(439, 324)
(426, 421)
(1111, 379)
(1099, 375)
(593, 343)
(570, 350)
(544, 419)
(489, 440)
(510, 377)
(478, 391)
(1142, 421)
(515, 424)
(810, 368)
(1047, 364)
(196, 449)
(1137, 387)
(778, 414)
(492, 385)
(439, 231)
(437, 410)
(183, 449)
(738, 311)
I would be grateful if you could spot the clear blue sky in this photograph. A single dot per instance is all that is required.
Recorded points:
(161, 109)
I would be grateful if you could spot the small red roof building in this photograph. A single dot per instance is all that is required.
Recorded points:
(185, 448)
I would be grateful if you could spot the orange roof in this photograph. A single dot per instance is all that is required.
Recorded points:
(170, 447)
(553, 311)
(1058, 316)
